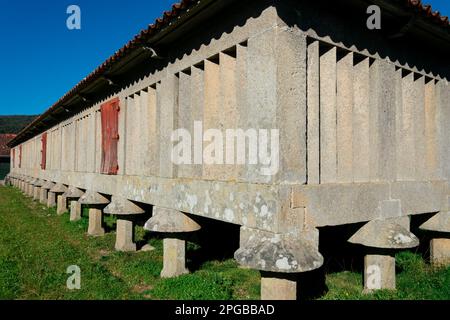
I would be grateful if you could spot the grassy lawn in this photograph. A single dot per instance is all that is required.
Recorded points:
(37, 246)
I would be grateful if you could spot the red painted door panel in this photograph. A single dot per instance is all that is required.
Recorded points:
(110, 136)
(44, 151)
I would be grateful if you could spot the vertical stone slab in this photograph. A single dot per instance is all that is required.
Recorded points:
(43, 196)
(291, 51)
(95, 222)
(130, 144)
(379, 272)
(387, 121)
(419, 127)
(185, 117)
(91, 142)
(123, 138)
(241, 99)
(153, 157)
(75, 210)
(168, 116)
(228, 114)
(313, 114)
(125, 235)
(431, 141)
(136, 136)
(144, 133)
(344, 108)
(174, 258)
(211, 115)
(276, 63)
(374, 120)
(98, 142)
(61, 207)
(440, 252)
(261, 92)
(51, 199)
(36, 193)
(197, 105)
(328, 147)
(406, 140)
(278, 289)
(443, 114)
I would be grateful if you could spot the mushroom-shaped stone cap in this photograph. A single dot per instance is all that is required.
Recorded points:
(48, 185)
(93, 198)
(122, 206)
(34, 181)
(384, 234)
(58, 188)
(73, 192)
(169, 220)
(28, 179)
(279, 253)
(439, 222)
(39, 183)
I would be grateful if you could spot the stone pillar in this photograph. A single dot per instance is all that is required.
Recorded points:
(383, 238)
(125, 235)
(43, 196)
(440, 252)
(75, 210)
(277, 287)
(61, 207)
(174, 258)
(51, 199)
(280, 257)
(379, 272)
(439, 226)
(173, 223)
(36, 192)
(95, 222)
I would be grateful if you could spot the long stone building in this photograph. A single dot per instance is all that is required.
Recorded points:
(360, 118)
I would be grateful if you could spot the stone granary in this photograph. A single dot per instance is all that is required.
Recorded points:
(361, 116)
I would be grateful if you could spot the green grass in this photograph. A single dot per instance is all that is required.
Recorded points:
(37, 246)
(415, 279)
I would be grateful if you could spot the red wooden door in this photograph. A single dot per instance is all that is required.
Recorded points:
(13, 157)
(110, 136)
(44, 151)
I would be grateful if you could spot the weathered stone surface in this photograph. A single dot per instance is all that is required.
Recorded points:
(61, 206)
(147, 247)
(48, 185)
(95, 223)
(59, 188)
(51, 199)
(440, 252)
(125, 235)
(36, 192)
(93, 198)
(278, 253)
(73, 193)
(379, 272)
(39, 183)
(75, 210)
(43, 196)
(122, 206)
(384, 234)
(439, 222)
(168, 220)
(174, 258)
(278, 289)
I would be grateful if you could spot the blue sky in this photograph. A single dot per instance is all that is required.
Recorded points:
(41, 59)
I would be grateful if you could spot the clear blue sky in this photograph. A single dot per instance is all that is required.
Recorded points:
(40, 59)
